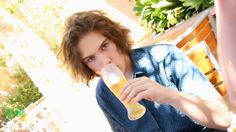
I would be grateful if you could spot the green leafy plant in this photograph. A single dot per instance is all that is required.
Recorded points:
(27, 93)
(160, 15)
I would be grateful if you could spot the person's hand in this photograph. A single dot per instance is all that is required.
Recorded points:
(144, 88)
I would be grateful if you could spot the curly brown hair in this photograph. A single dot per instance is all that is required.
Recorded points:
(77, 26)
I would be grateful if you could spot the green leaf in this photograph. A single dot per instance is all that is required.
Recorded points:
(172, 20)
(161, 4)
(148, 2)
(9, 113)
(19, 112)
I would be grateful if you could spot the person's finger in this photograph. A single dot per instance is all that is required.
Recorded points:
(125, 93)
(135, 90)
(128, 87)
(130, 82)
(140, 96)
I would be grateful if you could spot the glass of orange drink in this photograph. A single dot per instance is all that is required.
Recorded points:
(115, 81)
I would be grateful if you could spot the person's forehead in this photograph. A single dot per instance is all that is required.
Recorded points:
(90, 43)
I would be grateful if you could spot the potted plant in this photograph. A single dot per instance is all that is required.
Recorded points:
(160, 15)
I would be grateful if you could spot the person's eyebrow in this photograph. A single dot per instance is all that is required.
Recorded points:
(103, 42)
(86, 57)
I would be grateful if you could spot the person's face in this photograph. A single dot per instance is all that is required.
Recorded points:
(96, 50)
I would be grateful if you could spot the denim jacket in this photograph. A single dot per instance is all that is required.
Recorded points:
(170, 67)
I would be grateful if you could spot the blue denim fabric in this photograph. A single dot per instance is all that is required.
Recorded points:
(168, 66)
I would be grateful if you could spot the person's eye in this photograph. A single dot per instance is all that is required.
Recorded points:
(104, 46)
(90, 59)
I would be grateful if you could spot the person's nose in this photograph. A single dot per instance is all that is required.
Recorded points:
(104, 59)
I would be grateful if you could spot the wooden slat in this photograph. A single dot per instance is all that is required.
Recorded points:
(197, 54)
(193, 33)
(204, 33)
(187, 39)
(202, 24)
(211, 41)
(214, 77)
(221, 89)
(205, 65)
(190, 44)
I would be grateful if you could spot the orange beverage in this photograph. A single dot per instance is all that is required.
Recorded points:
(115, 80)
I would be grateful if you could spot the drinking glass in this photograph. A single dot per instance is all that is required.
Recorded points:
(115, 81)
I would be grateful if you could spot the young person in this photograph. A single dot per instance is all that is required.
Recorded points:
(177, 96)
